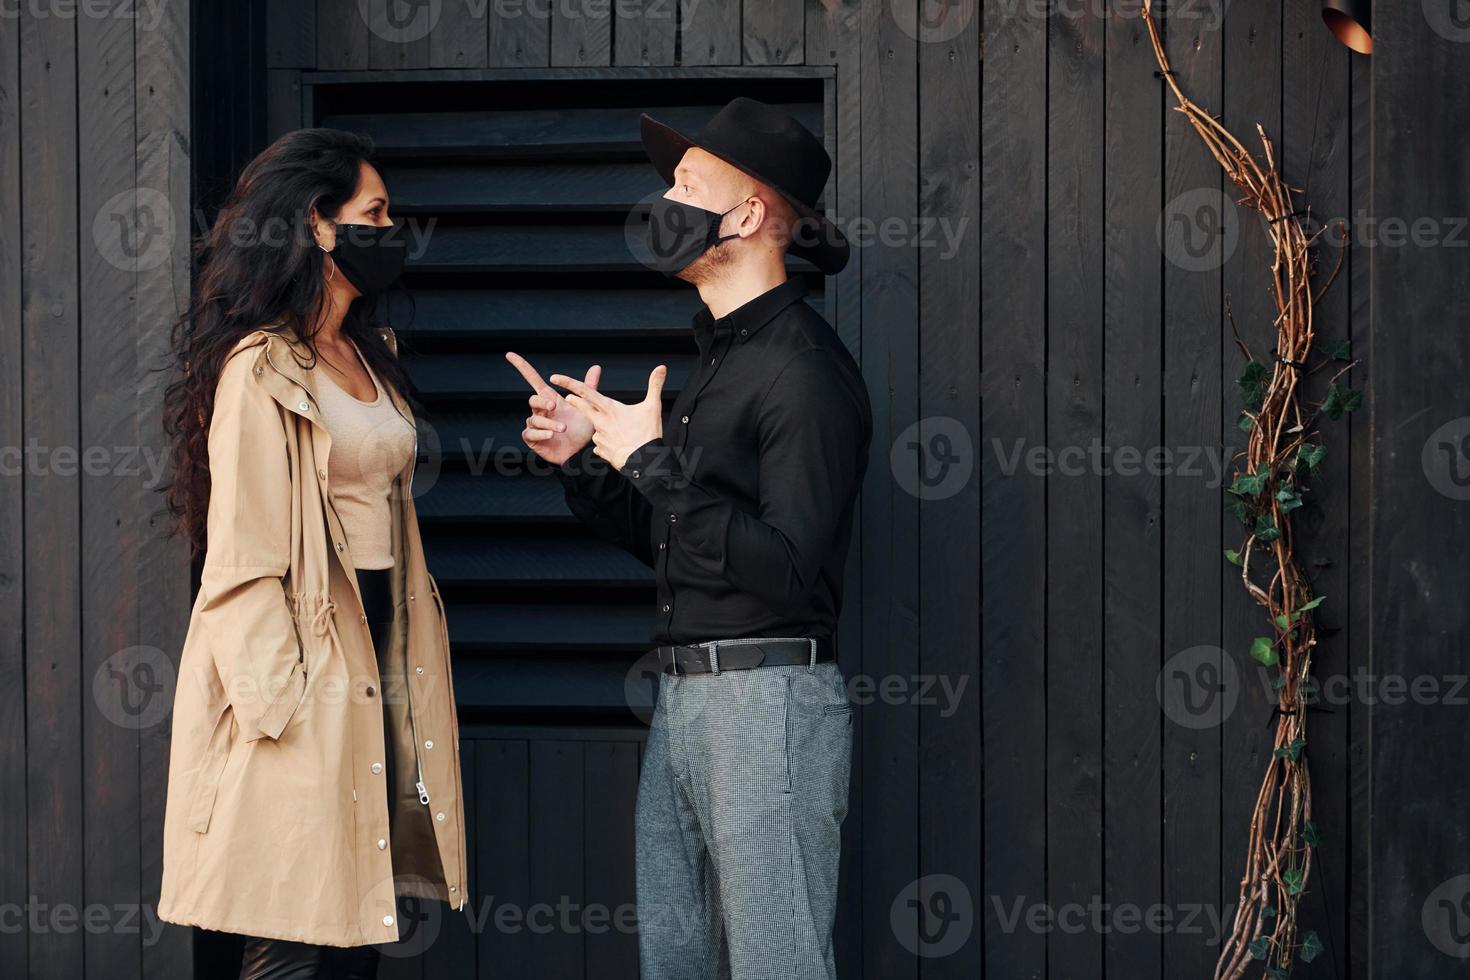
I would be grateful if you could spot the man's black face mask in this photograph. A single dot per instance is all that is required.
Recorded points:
(679, 233)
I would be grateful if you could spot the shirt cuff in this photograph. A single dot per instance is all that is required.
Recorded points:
(654, 471)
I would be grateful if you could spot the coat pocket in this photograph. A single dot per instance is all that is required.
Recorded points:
(211, 768)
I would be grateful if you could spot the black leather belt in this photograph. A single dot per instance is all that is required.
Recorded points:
(718, 655)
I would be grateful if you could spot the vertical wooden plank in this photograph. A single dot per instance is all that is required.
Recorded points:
(890, 590)
(282, 102)
(611, 779)
(503, 863)
(162, 133)
(52, 493)
(949, 779)
(1193, 684)
(520, 35)
(1133, 337)
(1251, 96)
(1315, 150)
(1360, 619)
(1420, 518)
(772, 32)
(1013, 498)
(644, 32)
(556, 947)
(581, 34)
(120, 230)
(459, 37)
(343, 40)
(290, 34)
(1074, 537)
(13, 804)
(399, 32)
(709, 33)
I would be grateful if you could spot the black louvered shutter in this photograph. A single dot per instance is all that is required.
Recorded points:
(530, 184)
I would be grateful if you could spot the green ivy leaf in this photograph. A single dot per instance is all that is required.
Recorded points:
(1311, 833)
(1268, 912)
(1339, 350)
(1310, 456)
(1233, 556)
(1311, 605)
(1278, 973)
(1266, 529)
(1289, 499)
(1251, 484)
(1259, 947)
(1263, 651)
(1311, 947)
(1245, 423)
(1340, 400)
(1292, 751)
(1236, 505)
(1252, 383)
(1295, 880)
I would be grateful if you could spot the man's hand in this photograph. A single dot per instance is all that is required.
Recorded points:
(618, 429)
(555, 430)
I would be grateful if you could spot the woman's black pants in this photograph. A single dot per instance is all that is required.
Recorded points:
(280, 959)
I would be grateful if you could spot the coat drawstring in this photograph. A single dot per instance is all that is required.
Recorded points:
(322, 622)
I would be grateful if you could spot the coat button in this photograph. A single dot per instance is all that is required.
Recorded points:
(635, 474)
(260, 370)
(376, 767)
(387, 920)
(304, 407)
(410, 597)
(418, 670)
(666, 607)
(322, 474)
(370, 691)
(339, 545)
(429, 744)
(362, 618)
(439, 816)
(382, 844)
(686, 420)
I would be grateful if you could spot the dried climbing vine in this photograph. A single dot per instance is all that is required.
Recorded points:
(1283, 451)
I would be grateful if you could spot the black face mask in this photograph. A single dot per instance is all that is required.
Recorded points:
(369, 256)
(679, 233)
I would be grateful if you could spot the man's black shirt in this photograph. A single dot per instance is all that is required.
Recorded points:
(744, 508)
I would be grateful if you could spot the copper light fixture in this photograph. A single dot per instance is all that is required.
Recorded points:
(1351, 21)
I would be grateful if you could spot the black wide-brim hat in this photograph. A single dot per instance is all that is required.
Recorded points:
(776, 150)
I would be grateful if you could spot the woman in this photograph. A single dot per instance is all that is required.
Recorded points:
(314, 765)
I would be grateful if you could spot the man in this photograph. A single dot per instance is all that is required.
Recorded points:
(742, 503)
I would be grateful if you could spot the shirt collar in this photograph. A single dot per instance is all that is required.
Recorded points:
(751, 315)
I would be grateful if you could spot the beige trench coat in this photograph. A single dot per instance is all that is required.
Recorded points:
(276, 821)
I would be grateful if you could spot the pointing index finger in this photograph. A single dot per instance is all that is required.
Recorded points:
(537, 383)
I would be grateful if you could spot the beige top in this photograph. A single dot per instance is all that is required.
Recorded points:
(371, 443)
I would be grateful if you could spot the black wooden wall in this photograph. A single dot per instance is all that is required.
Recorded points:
(1045, 257)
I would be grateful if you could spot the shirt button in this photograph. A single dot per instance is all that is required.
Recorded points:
(304, 406)
(662, 546)
(635, 474)
(685, 420)
(376, 767)
(713, 359)
(666, 607)
(382, 844)
(744, 332)
(387, 920)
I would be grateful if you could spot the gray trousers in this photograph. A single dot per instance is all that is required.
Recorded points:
(740, 806)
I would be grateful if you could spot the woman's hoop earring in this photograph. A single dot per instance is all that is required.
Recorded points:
(333, 274)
